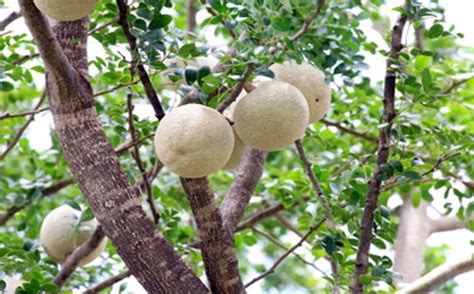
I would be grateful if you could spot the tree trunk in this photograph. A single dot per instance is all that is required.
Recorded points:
(413, 231)
(94, 163)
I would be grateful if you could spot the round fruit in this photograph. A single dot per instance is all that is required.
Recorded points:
(310, 81)
(239, 147)
(66, 9)
(194, 140)
(272, 116)
(61, 233)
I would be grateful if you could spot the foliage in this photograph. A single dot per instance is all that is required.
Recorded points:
(434, 121)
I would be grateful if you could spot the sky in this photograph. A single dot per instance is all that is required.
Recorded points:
(458, 13)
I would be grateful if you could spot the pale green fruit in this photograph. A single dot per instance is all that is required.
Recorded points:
(194, 140)
(237, 152)
(66, 9)
(60, 234)
(272, 116)
(310, 81)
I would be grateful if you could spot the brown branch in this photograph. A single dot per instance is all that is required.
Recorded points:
(349, 131)
(308, 20)
(25, 58)
(103, 26)
(73, 260)
(455, 85)
(315, 183)
(123, 10)
(214, 13)
(439, 276)
(23, 128)
(271, 270)
(9, 19)
(217, 246)
(237, 89)
(108, 283)
(447, 223)
(126, 146)
(191, 11)
(383, 152)
(8, 115)
(119, 86)
(248, 176)
(138, 161)
(265, 213)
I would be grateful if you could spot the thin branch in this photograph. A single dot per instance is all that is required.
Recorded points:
(108, 283)
(119, 86)
(271, 270)
(237, 90)
(383, 153)
(215, 14)
(9, 19)
(455, 85)
(103, 26)
(279, 244)
(8, 115)
(315, 183)
(123, 10)
(448, 223)
(138, 160)
(349, 131)
(308, 20)
(73, 260)
(20, 132)
(191, 11)
(439, 276)
(265, 213)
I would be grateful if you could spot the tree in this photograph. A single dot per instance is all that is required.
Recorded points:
(328, 194)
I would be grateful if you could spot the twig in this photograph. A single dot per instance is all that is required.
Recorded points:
(23, 128)
(456, 84)
(132, 41)
(365, 237)
(237, 90)
(214, 13)
(349, 131)
(73, 260)
(138, 160)
(315, 183)
(108, 283)
(265, 213)
(119, 86)
(439, 276)
(271, 270)
(308, 21)
(9, 19)
(191, 12)
(103, 26)
(279, 244)
(8, 115)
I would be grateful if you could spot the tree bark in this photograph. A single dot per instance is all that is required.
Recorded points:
(217, 246)
(413, 231)
(94, 163)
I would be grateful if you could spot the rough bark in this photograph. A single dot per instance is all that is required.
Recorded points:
(94, 163)
(413, 231)
(217, 247)
(439, 276)
(248, 176)
(383, 152)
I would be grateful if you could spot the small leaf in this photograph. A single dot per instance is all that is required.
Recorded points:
(49, 288)
(191, 75)
(435, 31)
(266, 73)
(397, 165)
(6, 86)
(3, 285)
(426, 80)
(87, 215)
(186, 50)
(412, 175)
(74, 204)
(202, 73)
(160, 21)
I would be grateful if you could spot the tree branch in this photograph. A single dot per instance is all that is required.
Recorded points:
(383, 152)
(132, 41)
(439, 276)
(108, 283)
(73, 260)
(307, 22)
(447, 223)
(349, 131)
(237, 89)
(217, 246)
(23, 128)
(191, 11)
(248, 176)
(9, 19)
(271, 270)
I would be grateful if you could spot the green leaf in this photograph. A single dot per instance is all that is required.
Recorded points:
(49, 288)
(266, 73)
(6, 86)
(415, 200)
(190, 75)
(426, 80)
(87, 215)
(435, 31)
(426, 195)
(185, 50)
(397, 165)
(74, 204)
(202, 73)
(3, 285)
(412, 175)
(160, 21)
